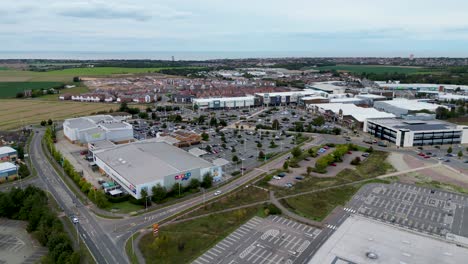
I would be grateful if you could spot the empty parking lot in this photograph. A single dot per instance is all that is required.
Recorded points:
(263, 241)
(425, 210)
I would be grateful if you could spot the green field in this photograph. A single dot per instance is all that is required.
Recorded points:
(67, 75)
(375, 69)
(10, 89)
(183, 242)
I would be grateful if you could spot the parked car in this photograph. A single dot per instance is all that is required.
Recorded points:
(75, 220)
(289, 185)
(365, 154)
(276, 177)
(282, 174)
(299, 178)
(333, 164)
(217, 193)
(83, 152)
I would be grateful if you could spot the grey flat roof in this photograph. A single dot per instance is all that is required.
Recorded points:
(414, 125)
(114, 125)
(146, 161)
(358, 235)
(80, 123)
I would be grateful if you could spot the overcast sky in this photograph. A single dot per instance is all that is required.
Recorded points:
(330, 27)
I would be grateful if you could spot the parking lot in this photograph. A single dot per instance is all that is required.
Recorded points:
(271, 240)
(16, 245)
(425, 210)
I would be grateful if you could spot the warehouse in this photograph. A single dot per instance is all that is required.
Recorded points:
(401, 106)
(281, 98)
(408, 133)
(348, 115)
(327, 87)
(8, 171)
(224, 102)
(88, 129)
(144, 164)
(8, 154)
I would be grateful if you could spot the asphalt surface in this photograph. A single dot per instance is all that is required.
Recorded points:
(425, 210)
(274, 239)
(97, 240)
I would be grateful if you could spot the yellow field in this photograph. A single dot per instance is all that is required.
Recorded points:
(17, 113)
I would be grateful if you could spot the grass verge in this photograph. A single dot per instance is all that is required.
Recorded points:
(319, 205)
(183, 242)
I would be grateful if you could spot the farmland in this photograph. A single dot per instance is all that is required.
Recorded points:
(16, 113)
(67, 75)
(9, 89)
(376, 69)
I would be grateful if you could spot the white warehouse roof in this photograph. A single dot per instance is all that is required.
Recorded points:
(410, 105)
(147, 161)
(7, 166)
(359, 113)
(357, 236)
(6, 150)
(223, 99)
(291, 93)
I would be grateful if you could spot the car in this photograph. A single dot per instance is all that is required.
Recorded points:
(429, 153)
(75, 220)
(449, 155)
(83, 152)
(466, 161)
(349, 152)
(440, 158)
(282, 174)
(421, 154)
(276, 177)
(299, 178)
(251, 156)
(333, 164)
(447, 160)
(427, 157)
(289, 185)
(326, 147)
(217, 193)
(365, 154)
(306, 159)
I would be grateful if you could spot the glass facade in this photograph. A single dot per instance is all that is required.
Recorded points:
(437, 138)
(382, 132)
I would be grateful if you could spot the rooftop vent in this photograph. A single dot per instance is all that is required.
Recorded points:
(372, 255)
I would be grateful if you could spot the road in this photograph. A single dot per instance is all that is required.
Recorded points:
(99, 243)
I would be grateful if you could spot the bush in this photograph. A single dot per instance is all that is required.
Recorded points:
(356, 161)
(119, 199)
(272, 209)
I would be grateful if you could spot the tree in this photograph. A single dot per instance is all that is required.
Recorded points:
(208, 148)
(178, 119)
(318, 121)
(23, 170)
(123, 107)
(50, 122)
(205, 136)
(194, 184)
(143, 115)
(309, 170)
(286, 165)
(76, 79)
(460, 154)
(233, 149)
(148, 109)
(213, 122)
(201, 119)
(222, 123)
(144, 197)
(449, 150)
(356, 161)
(43, 123)
(158, 193)
(235, 159)
(153, 116)
(261, 155)
(259, 144)
(275, 125)
(296, 152)
(207, 181)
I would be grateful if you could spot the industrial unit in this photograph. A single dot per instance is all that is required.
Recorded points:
(349, 115)
(88, 129)
(224, 102)
(408, 133)
(280, 98)
(8, 171)
(401, 106)
(8, 154)
(144, 164)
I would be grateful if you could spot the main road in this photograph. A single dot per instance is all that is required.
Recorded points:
(100, 244)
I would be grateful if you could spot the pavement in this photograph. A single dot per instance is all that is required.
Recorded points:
(274, 239)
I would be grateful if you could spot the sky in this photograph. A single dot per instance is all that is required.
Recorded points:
(318, 28)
